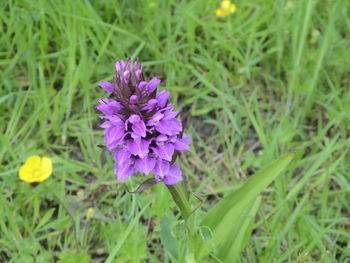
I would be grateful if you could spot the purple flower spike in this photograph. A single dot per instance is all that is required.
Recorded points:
(142, 130)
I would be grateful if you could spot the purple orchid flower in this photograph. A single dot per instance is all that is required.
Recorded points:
(142, 130)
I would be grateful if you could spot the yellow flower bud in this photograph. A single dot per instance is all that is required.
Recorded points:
(80, 195)
(90, 212)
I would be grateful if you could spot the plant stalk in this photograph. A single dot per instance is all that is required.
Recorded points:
(180, 197)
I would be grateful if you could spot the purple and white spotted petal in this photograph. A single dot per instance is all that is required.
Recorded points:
(123, 170)
(164, 151)
(174, 176)
(122, 155)
(161, 169)
(182, 144)
(138, 147)
(155, 119)
(169, 127)
(145, 165)
(113, 136)
(138, 126)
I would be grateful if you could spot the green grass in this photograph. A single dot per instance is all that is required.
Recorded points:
(251, 87)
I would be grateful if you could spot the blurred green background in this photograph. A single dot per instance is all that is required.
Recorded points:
(272, 77)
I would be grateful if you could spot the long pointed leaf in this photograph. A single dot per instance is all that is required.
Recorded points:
(224, 217)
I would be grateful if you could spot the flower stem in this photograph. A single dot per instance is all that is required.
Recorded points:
(180, 197)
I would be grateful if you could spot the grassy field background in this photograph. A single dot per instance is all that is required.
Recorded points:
(273, 77)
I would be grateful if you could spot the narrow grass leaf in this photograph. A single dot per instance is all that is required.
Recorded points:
(125, 235)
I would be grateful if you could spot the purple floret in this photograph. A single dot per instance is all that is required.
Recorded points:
(142, 130)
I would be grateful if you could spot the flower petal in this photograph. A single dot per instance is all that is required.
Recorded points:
(145, 165)
(46, 168)
(113, 136)
(138, 126)
(138, 147)
(107, 86)
(174, 176)
(142, 86)
(164, 151)
(150, 105)
(155, 119)
(162, 98)
(161, 169)
(123, 170)
(33, 161)
(119, 66)
(122, 155)
(134, 99)
(161, 139)
(138, 74)
(109, 106)
(152, 85)
(168, 115)
(169, 127)
(182, 144)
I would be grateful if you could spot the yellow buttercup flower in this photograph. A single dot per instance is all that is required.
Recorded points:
(35, 169)
(226, 8)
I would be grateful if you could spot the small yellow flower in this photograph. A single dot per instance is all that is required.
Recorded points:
(226, 8)
(35, 169)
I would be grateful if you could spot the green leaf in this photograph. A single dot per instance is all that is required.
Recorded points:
(233, 246)
(170, 243)
(205, 233)
(144, 186)
(227, 216)
(45, 219)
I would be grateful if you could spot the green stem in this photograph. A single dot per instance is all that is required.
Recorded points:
(180, 197)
